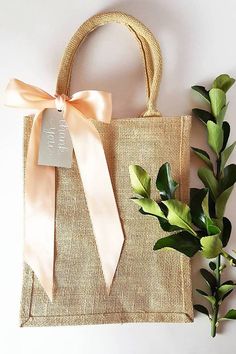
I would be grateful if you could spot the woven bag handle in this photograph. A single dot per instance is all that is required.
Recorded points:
(148, 44)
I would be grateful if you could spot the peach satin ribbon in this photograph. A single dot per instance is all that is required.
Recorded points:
(40, 180)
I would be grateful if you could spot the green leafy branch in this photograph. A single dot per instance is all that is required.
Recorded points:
(200, 226)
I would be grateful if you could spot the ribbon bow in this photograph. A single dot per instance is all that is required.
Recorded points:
(40, 180)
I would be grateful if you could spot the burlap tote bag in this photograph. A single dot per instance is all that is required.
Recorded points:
(147, 286)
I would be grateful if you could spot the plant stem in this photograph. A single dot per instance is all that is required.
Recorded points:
(229, 258)
(214, 320)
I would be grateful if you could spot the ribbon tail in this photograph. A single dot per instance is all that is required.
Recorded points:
(98, 191)
(39, 213)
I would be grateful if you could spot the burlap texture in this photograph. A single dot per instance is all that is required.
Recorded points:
(148, 286)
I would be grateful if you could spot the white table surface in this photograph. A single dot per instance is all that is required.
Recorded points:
(197, 38)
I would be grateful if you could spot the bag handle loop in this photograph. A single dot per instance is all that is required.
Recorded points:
(149, 46)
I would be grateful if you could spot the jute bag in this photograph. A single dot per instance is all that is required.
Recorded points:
(147, 286)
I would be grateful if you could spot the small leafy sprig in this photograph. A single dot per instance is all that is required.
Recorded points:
(200, 226)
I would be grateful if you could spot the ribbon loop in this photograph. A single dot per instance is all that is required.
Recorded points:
(40, 180)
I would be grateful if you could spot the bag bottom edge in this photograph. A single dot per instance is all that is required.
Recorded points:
(114, 318)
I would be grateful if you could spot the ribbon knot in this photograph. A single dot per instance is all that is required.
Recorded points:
(60, 101)
(40, 180)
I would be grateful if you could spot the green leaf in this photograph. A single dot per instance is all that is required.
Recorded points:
(208, 179)
(209, 298)
(201, 292)
(218, 222)
(182, 242)
(215, 136)
(202, 309)
(230, 315)
(225, 154)
(202, 91)
(218, 101)
(179, 214)
(229, 177)
(226, 232)
(212, 265)
(223, 82)
(229, 258)
(166, 226)
(203, 155)
(221, 115)
(222, 268)
(149, 206)
(223, 290)
(209, 278)
(212, 229)
(201, 233)
(221, 202)
(165, 183)
(164, 223)
(230, 282)
(211, 246)
(202, 115)
(198, 207)
(211, 205)
(140, 181)
(205, 204)
(226, 133)
(227, 294)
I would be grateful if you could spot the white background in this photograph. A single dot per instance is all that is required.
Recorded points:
(197, 38)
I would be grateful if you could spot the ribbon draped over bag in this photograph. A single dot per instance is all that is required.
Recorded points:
(40, 188)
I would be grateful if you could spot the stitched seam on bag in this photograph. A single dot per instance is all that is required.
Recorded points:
(181, 196)
(113, 313)
(158, 119)
(31, 294)
(144, 59)
(182, 160)
(182, 317)
(30, 298)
